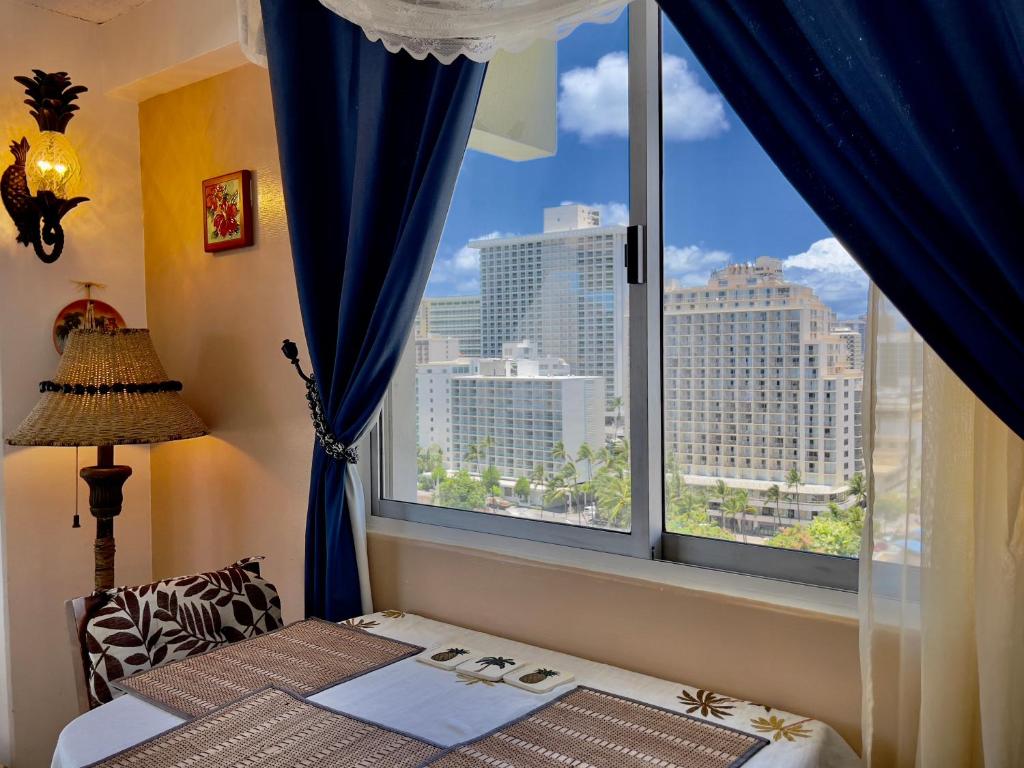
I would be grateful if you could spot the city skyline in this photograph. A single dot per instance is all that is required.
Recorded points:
(725, 201)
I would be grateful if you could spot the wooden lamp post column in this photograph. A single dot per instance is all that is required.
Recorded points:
(105, 481)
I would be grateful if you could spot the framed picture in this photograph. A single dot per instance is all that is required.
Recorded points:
(227, 211)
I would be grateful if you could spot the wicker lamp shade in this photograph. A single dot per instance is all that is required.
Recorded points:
(110, 389)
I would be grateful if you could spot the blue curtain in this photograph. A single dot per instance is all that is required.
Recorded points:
(370, 144)
(902, 125)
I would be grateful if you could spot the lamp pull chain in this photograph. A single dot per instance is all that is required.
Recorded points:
(77, 522)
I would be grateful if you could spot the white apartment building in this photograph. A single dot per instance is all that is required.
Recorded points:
(523, 416)
(853, 344)
(564, 289)
(756, 384)
(431, 349)
(454, 316)
(434, 403)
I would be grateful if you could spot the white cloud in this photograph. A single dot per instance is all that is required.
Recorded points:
(830, 270)
(460, 272)
(611, 213)
(692, 265)
(594, 101)
(826, 255)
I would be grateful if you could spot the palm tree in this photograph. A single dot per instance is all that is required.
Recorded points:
(859, 489)
(721, 491)
(537, 475)
(586, 453)
(473, 456)
(616, 405)
(615, 495)
(738, 503)
(558, 490)
(794, 481)
(774, 495)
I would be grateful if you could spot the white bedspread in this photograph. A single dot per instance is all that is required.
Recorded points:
(446, 709)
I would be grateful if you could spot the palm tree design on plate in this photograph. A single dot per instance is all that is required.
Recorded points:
(494, 661)
(708, 703)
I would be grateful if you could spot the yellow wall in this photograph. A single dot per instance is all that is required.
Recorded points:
(219, 321)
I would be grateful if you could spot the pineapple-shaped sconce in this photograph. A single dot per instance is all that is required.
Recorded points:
(51, 167)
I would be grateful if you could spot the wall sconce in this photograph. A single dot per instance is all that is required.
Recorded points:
(51, 167)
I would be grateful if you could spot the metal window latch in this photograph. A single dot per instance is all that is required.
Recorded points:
(636, 254)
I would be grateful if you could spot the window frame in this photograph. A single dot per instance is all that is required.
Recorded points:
(647, 537)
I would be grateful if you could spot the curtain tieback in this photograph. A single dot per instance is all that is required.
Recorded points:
(332, 446)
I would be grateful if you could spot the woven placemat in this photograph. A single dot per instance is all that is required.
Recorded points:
(304, 658)
(592, 728)
(273, 729)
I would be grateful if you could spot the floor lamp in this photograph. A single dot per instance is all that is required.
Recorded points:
(110, 389)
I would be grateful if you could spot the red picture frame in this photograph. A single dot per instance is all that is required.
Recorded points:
(227, 212)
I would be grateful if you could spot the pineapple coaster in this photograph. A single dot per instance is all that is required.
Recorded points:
(447, 657)
(491, 668)
(537, 678)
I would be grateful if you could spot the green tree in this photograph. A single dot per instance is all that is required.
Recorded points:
(522, 488)
(794, 481)
(738, 505)
(461, 491)
(491, 480)
(859, 490)
(774, 496)
(437, 474)
(614, 497)
(838, 533)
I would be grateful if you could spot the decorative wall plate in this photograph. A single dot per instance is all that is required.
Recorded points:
(76, 315)
(538, 678)
(447, 656)
(490, 666)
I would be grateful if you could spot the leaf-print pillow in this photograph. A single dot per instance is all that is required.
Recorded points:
(138, 628)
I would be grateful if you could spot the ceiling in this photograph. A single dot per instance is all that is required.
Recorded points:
(96, 11)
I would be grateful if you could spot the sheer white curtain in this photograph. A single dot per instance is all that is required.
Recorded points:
(942, 571)
(477, 29)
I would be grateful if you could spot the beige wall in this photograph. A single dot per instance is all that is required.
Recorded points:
(219, 321)
(45, 560)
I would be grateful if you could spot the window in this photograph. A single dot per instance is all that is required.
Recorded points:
(689, 416)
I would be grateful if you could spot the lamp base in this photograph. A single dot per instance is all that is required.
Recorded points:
(105, 481)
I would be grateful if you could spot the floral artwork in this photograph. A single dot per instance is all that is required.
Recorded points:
(227, 208)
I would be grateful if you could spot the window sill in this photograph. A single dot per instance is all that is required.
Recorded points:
(780, 594)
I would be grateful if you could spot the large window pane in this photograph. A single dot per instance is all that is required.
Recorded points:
(764, 327)
(513, 397)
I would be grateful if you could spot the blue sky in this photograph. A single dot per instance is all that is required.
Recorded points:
(725, 201)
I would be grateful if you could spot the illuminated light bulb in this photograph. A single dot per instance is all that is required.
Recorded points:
(53, 165)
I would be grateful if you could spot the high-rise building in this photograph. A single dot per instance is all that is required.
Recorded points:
(454, 316)
(853, 343)
(756, 385)
(564, 289)
(434, 404)
(430, 349)
(514, 410)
